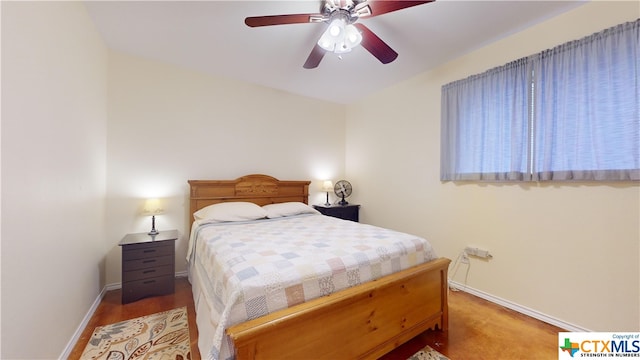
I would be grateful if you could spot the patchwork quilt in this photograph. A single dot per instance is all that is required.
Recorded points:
(255, 268)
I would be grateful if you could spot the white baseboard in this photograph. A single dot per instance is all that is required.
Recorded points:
(519, 308)
(76, 335)
(83, 324)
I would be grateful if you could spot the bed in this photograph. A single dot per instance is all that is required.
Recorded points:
(359, 313)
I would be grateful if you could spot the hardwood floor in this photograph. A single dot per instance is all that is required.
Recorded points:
(478, 329)
(111, 311)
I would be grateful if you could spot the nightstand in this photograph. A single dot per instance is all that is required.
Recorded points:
(148, 265)
(346, 212)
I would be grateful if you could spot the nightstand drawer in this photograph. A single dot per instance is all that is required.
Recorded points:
(142, 251)
(148, 273)
(135, 290)
(147, 263)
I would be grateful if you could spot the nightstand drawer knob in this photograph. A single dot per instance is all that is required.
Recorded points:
(149, 282)
(149, 261)
(149, 251)
(149, 271)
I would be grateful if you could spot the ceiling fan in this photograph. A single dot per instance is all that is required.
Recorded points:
(343, 32)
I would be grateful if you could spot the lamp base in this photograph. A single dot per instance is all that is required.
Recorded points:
(153, 226)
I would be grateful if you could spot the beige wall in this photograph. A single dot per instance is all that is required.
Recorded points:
(570, 251)
(168, 125)
(73, 182)
(54, 120)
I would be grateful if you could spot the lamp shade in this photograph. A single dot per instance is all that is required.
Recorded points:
(327, 185)
(153, 207)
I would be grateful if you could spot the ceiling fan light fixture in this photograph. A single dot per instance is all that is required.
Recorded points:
(333, 35)
(339, 37)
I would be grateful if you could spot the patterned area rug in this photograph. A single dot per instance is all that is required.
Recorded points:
(428, 354)
(163, 335)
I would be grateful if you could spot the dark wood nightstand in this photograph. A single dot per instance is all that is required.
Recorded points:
(346, 212)
(148, 265)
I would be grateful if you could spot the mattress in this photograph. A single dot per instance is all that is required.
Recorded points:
(243, 270)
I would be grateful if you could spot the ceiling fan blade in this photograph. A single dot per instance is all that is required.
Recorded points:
(375, 45)
(379, 7)
(268, 20)
(316, 55)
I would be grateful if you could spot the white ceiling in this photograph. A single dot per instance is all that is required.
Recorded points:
(210, 36)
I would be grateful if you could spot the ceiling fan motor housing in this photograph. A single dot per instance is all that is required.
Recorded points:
(353, 9)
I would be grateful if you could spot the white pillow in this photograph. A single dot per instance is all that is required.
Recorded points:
(288, 209)
(231, 211)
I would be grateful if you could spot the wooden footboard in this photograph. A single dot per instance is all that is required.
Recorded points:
(363, 322)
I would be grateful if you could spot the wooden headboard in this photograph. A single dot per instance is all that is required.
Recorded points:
(257, 188)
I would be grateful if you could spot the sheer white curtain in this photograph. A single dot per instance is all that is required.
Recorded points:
(568, 113)
(586, 112)
(484, 123)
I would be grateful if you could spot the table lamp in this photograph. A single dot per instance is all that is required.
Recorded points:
(327, 186)
(153, 207)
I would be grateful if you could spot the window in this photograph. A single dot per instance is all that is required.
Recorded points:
(568, 113)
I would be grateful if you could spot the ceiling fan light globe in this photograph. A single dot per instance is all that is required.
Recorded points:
(326, 43)
(352, 36)
(334, 31)
(336, 28)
